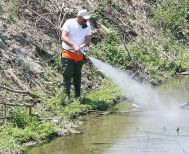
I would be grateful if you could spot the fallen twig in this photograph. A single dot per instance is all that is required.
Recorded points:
(13, 104)
(20, 92)
(58, 28)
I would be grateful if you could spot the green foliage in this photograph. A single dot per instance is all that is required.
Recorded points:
(111, 50)
(99, 11)
(54, 103)
(7, 82)
(2, 66)
(40, 2)
(1, 8)
(72, 110)
(21, 128)
(20, 118)
(106, 93)
(14, 6)
(8, 142)
(57, 64)
(161, 56)
(109, 1)
(173, 15)
(154, 54)
(102, 98)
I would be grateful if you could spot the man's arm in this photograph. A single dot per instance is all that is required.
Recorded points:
(87, 41)
(66, 39)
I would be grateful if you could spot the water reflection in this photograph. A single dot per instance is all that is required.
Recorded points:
(100, 133)
(156, 133)
(152, 132)
(177, 88)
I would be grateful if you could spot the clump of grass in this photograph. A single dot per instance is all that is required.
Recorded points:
(21, 128)
(157, 57)
(111, 50)
(172, 15)
(14, 6)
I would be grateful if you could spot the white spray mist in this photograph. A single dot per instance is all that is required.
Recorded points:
(166, 120)
(139, 93)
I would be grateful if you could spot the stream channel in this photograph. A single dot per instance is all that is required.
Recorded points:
(150, 132)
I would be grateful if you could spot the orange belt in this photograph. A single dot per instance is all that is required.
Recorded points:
(76, 57)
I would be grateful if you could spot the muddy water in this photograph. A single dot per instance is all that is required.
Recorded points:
(164, 131)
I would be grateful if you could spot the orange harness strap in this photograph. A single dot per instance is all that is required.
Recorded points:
(76, 57)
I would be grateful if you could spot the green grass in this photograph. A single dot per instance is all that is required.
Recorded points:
(102, 98)
(21, 128)
(172, 15)
(160, 56)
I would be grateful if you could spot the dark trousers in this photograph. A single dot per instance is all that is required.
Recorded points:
(71, 69)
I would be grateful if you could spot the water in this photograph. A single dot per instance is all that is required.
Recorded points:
(167, 115)
(134, 133)
(155, 134)
(140, 93)
(148, 132)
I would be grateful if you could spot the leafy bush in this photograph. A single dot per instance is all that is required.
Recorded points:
(20, 118)
(72, 110)
(8, 142)
(111, 50)
(173, 15)
(14, 6)
(99, 11)
(1, 8)
(21, 128)
(102, 98)
(160, 57)
(57, 64)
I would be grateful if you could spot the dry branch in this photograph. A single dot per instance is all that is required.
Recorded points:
(10, 74)
(13, 104)
(124, 43)
(58, 28)
(119, 112)
(20, 92)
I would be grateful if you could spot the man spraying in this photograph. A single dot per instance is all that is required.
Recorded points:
(76, 35)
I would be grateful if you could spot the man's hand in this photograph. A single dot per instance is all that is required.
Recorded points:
(69, 42)
(82, 45)
(87, 48)
(76, 48)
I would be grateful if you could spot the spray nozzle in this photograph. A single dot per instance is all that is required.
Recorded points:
(82, 50)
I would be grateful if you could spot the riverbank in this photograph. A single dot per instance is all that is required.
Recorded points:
(131, 132)
(21, 129)
(137, 36)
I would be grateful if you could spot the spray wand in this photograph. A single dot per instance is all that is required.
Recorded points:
(86, 57)
(82, 50)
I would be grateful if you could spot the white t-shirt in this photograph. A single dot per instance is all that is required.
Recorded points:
(76, 32)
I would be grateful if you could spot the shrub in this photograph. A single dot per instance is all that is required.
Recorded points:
(173, 15)
(14, 6)
(111, 50)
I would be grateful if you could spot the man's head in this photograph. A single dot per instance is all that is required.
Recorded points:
(82, 17)
(84, 14)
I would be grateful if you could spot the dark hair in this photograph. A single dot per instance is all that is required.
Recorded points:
(84, 25)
